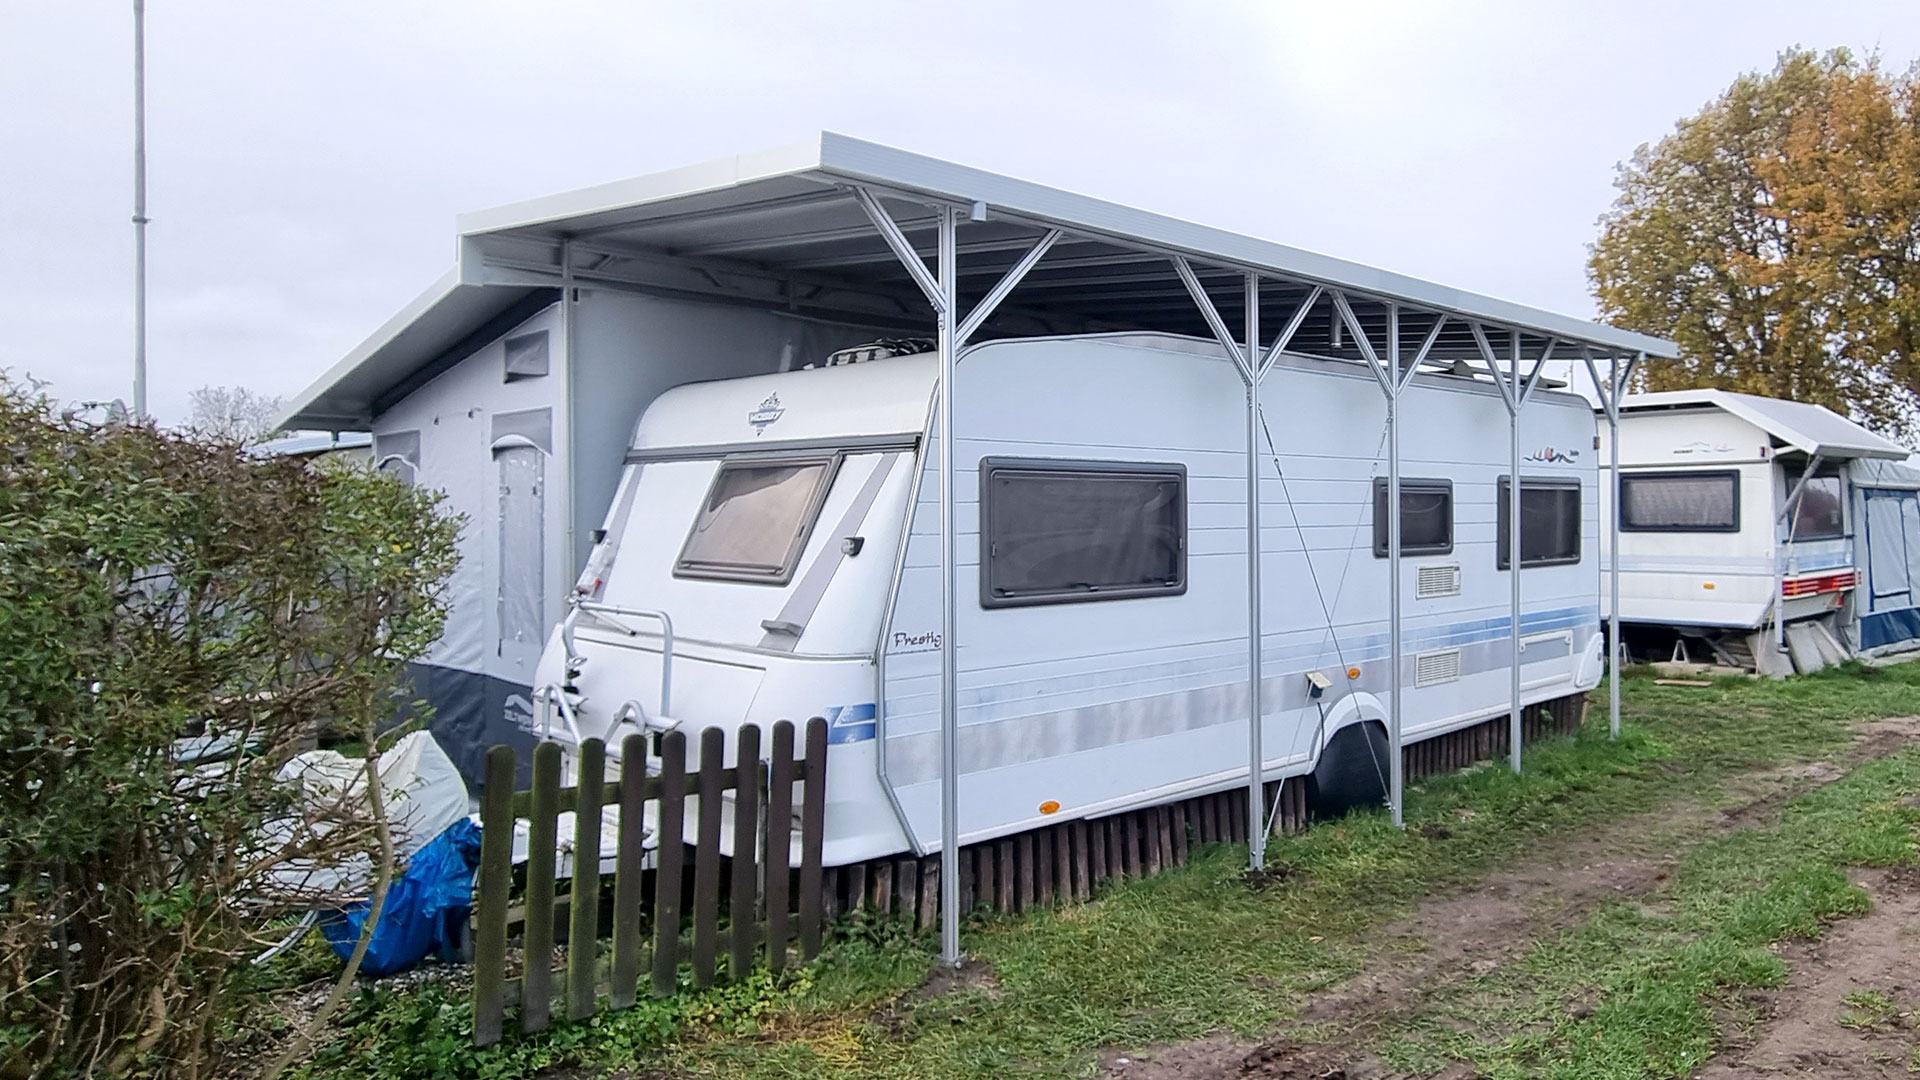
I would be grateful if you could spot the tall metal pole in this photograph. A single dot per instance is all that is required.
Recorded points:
(1256, 755)
(1613, 549)
(1513, 549)
(139, 209)
(1396, 790)
(949, 712)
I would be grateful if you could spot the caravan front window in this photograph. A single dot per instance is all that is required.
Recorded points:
(755, 520)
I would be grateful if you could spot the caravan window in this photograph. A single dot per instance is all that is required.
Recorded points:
(1426, 517)
(1549, 521)
(756, 519)
(1817, 516)
(1680, 502)
(1057, 532)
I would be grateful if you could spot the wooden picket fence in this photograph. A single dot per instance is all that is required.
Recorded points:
(765, 900)
(1059, 864)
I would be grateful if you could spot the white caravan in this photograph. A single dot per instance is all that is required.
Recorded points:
(772, 552)
(1739, 536)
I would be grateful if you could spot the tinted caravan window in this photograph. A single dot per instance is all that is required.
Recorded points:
(1426, 517)
(1817, 516)
(1549, 521)
(755, 520)
(1680, 502)
(1070, 531)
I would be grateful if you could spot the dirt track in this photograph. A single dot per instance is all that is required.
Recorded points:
(1453, 938)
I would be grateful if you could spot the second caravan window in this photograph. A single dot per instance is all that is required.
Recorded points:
(1680, 502)
(1054, 532)
(1426, 517)
(755, 520)
(1549, 521)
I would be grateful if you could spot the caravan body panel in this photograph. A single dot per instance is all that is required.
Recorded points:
(1082, 705)
(1100, 706)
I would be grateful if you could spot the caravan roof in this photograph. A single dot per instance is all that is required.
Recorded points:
(1811, 429)
(783, 229)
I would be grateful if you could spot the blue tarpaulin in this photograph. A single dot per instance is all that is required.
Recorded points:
(425, 910)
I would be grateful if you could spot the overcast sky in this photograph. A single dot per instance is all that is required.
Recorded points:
(307, 158)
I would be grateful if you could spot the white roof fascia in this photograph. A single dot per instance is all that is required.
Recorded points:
(1846, 440)
(838, 157)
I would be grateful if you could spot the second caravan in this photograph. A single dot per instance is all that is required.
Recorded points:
(772, 552)
(1741, 537)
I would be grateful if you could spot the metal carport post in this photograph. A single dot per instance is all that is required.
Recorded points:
(1610, 394)
(1514, 392)
(1393, 379)
(1252, 367)
(942, 294)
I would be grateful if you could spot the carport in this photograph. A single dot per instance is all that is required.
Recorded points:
(840, 229)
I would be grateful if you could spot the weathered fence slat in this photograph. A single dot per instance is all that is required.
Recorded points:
(706, 858)
(669, 871)
(779, 845)
(813, 818)
(536, 990)
(746, 837)
(584, 932)
(496, 879)
(627, 928)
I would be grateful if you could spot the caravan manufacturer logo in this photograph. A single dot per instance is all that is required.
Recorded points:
(1698, 447)
(764, 416)
(1551, 456)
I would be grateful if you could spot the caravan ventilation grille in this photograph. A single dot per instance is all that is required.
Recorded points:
(1434, 668)
(1437, 580)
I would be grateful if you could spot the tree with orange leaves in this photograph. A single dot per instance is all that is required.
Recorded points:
(1775, 237)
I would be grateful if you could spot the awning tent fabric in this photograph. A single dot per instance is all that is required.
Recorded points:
(783, 229)
(1810, 429)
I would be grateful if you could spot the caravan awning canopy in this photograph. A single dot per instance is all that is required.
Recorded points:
(786, 229)
(1810, 429)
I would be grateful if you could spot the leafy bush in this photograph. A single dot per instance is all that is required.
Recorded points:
(156, 587)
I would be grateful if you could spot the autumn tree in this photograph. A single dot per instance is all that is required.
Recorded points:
(1775, 237)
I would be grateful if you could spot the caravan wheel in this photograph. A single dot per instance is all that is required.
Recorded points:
(1352, 772)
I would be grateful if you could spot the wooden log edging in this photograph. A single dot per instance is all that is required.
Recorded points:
(1066, 863)
(1048, 867)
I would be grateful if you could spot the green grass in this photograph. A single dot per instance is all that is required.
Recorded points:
(1196, 950)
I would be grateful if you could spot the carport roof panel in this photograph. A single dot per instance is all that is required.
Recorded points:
(779, 207)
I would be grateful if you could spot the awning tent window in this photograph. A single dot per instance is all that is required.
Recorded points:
(1819, 514)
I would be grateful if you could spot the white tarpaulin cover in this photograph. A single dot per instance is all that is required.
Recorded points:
(423, 794)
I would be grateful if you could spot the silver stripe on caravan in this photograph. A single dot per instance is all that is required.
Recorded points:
(996, 744)
(851, 444)
(784, 629)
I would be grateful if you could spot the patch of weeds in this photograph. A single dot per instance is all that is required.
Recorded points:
(1867, 1010)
